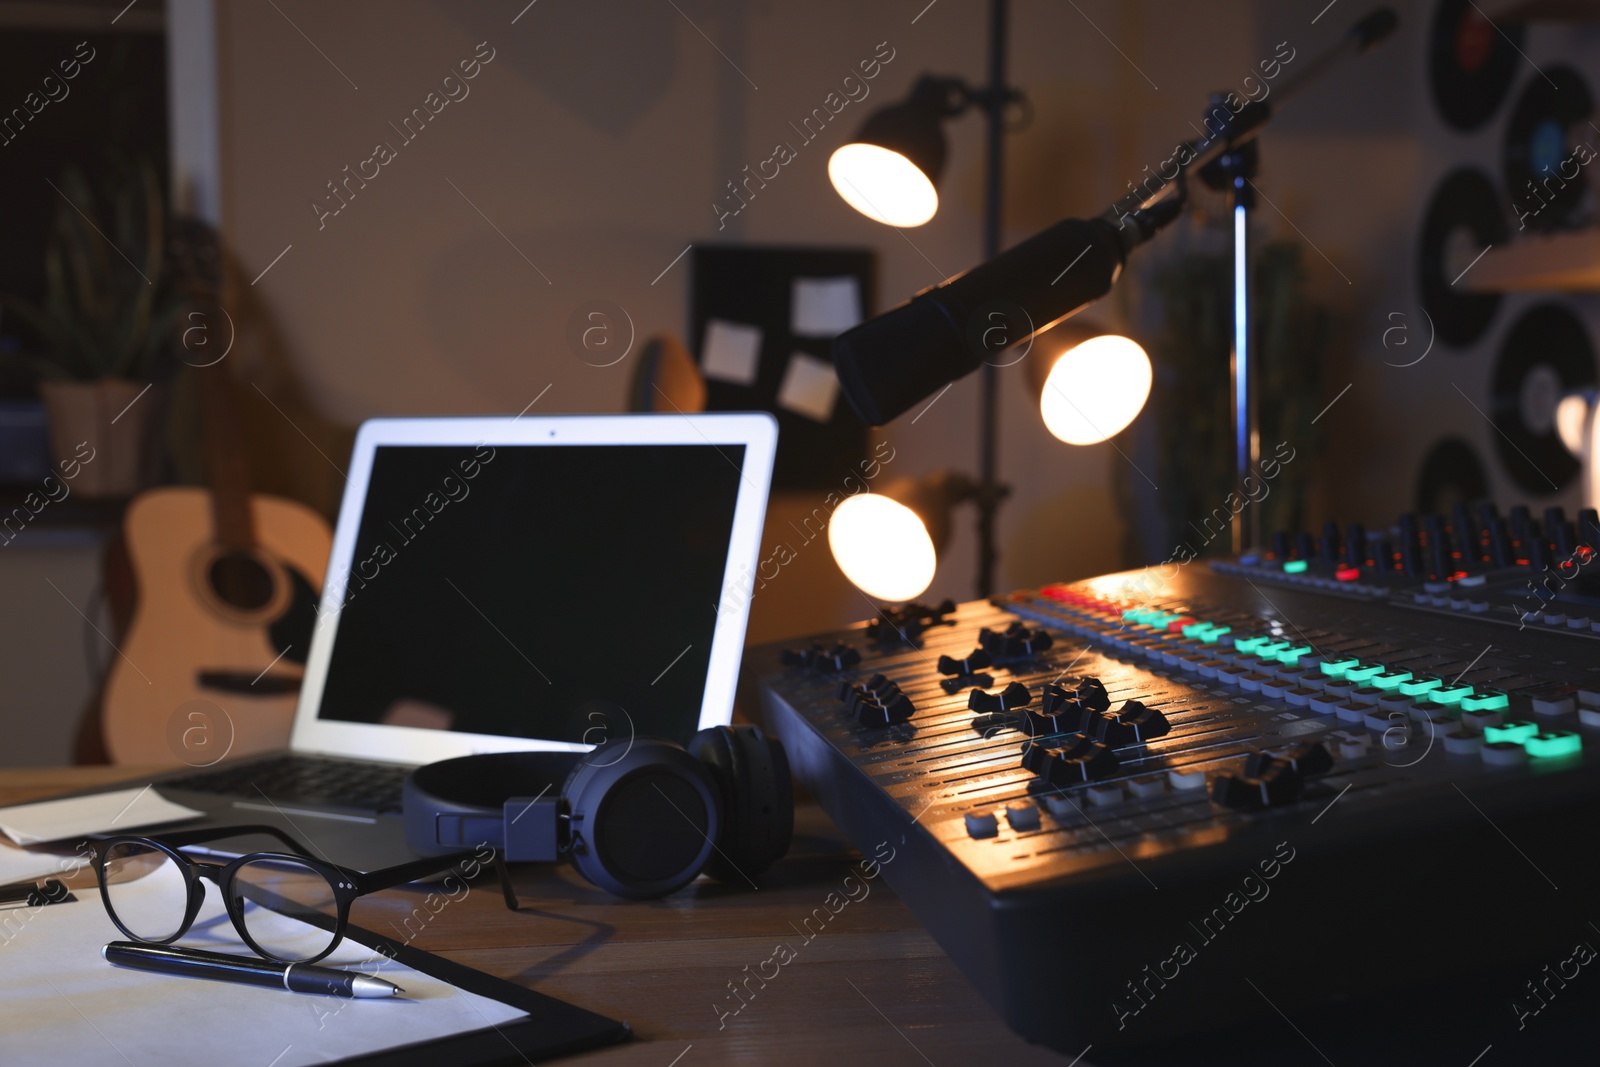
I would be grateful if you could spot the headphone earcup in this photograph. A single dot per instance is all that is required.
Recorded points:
(644, 825)
(751, 771)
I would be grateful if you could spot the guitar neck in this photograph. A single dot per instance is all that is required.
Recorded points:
(227, 466)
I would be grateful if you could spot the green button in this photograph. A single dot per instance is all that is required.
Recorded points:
(1418, 686)
(1216, 634)
(1559, 743)
(1391, 680)
(1364, 673)
(1337, 667)
(1485, 701)
(1450, 694)
(1198, 631)
(1295, 566)
(1249, 644)
(1290, 657)
(1135, 614)
(1270, 649)
(1517, 733)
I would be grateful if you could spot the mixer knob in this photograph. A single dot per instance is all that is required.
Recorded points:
(841, 657)
(1330, 547)
(1014, 696)
(1133, 723)
(981, 680)
(1305, 546)
(1502, 553)
(1278, 784)
(1091, 693)
(1589, 528)
(1280, 545)
(1072, 761)
(1521, 522)
(1056, 714)
(1536, 552)
(1355, 545)
(974, 662)
(1565, 537)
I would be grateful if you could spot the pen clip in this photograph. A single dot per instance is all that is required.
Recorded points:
(35, 895)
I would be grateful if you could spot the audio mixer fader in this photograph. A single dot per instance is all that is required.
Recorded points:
(1349, 783)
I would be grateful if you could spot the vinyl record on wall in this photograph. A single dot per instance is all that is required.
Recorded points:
(1543, 174)
(1546, 352)
(1452, 473)
(1463, 218)
(1471, 62)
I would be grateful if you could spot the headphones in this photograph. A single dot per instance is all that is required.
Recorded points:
(641, 825)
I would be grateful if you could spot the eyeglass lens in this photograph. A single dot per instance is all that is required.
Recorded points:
(145, 890)
(288, 908)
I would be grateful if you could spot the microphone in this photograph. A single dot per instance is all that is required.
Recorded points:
(888, 364)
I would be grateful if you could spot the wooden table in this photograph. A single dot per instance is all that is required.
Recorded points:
(873, 987)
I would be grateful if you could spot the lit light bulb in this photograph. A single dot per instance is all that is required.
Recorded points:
(883, 185)
(1095, 390)
(882, 547)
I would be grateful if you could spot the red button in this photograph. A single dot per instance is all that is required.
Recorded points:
(1347, 574)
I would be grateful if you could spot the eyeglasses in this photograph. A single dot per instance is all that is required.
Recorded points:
(289, 908)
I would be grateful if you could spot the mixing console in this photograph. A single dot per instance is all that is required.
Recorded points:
(1348, 783)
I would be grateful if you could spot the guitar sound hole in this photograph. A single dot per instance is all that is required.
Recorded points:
(240, 581)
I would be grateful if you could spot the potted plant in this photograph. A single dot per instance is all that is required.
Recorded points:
(104, 326)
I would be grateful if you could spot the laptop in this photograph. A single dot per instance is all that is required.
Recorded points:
(498, 584)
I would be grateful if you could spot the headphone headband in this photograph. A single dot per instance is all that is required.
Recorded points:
(509, 800)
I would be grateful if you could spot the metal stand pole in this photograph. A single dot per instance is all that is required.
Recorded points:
(1243, 370)
(989, 490)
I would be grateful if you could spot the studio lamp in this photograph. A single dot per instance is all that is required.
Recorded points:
(1094, 387)
(890, 172)
(887, 542)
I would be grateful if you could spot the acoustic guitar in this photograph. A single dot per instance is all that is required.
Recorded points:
(225, 582)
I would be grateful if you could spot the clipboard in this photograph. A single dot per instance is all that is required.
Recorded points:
(538, 1026)
(553, 1027)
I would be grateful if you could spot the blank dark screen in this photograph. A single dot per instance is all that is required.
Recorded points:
(560, 592)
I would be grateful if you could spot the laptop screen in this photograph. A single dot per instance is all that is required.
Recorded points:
(557, 592)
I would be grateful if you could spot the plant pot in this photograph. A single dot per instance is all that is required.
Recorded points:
(107, 431)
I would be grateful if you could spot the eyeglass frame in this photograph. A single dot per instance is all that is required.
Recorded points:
(347, 883)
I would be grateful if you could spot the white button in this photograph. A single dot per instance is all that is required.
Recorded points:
(1186, 779)
(1461, 743)
(1148, 787)
(982, 824)
(1554, 704)
(1022, 816)
(1105, 793)
(1353, 749)
(1474, 721)
(1351, 712)
(1505, 754)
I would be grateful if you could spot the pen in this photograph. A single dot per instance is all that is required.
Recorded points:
(295, 977)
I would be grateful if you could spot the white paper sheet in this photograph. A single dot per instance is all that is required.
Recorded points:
(732, 352)
(824, 307)
(810, 387)
(60, 1003)
(123, 809)
(17, 865)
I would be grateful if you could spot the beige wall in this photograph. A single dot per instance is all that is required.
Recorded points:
(596, 141)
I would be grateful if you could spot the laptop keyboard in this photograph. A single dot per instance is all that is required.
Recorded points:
(317, 780)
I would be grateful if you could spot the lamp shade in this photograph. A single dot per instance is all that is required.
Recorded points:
(890, 171)
(1095, 390)
(887, 542)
